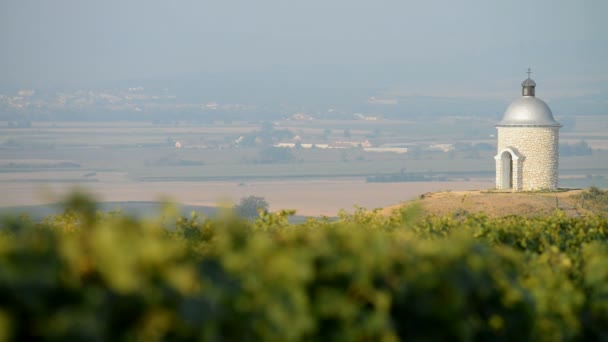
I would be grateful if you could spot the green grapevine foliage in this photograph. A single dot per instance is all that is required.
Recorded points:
(85, 275)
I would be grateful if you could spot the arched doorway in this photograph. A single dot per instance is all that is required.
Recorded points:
(506, 159)
(508, 169)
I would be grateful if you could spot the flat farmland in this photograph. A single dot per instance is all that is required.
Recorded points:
(301, 170)
(125, 161)
(308, 197)
(115, 134)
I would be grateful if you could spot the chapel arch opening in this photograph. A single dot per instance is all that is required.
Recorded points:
(506, 159)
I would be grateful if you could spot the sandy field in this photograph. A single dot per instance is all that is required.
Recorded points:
(307, 197)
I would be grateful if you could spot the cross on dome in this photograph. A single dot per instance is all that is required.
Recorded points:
(528, 85)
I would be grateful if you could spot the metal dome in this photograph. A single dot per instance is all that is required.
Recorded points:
(528, 83)
(528, 111)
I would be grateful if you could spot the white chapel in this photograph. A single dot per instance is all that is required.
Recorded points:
(528, 149)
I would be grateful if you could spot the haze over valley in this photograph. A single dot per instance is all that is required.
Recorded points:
(314, 106)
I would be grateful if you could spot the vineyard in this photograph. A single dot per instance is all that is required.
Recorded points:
(87, 275)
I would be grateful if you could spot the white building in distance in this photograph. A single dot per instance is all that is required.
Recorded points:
(528, 150)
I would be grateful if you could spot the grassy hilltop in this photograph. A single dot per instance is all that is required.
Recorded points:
(574, 203)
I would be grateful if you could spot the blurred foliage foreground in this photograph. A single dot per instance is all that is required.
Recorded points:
(85, 275)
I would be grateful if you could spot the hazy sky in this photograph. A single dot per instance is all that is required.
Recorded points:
(437, 46)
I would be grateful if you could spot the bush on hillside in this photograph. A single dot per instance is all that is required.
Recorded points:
(250, 207)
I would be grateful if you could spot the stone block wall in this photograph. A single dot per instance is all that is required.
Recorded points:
(539, 148)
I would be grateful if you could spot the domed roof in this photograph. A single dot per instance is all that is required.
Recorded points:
(528, 110)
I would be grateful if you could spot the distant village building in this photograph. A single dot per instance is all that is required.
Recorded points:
(336, 145)
(360, 116)
(399, 150)
(528, 138)
(301, 116)
(442, 147)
